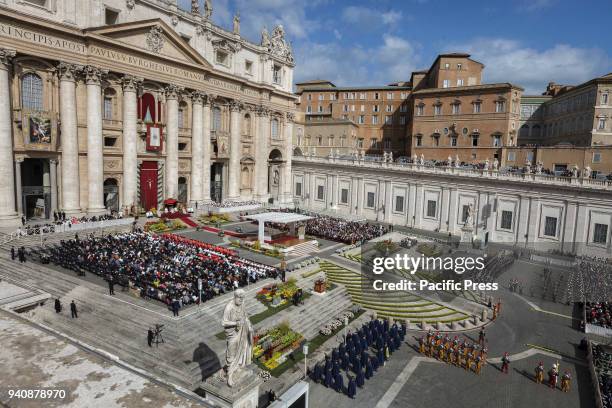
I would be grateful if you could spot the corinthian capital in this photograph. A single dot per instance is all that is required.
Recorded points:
(130, 83)
(290, 116)
(263, 110)
(93, 75)
(235, 106)
(173, 91)
(198, 97)
(67, 71)
(6, 56)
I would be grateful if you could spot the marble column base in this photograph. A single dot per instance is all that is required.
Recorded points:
(10, 220)
(96, 211)
(74, 212)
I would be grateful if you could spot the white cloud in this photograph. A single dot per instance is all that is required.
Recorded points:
(337, 34)
(391, 61)
(368, 18)
(510, 61)
(534, 5)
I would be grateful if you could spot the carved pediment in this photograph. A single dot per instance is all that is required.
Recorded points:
(153, 36)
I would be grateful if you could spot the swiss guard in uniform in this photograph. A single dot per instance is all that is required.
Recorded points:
(565, 381)
(539, 373)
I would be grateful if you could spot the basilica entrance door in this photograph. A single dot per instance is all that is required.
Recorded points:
(148, 184)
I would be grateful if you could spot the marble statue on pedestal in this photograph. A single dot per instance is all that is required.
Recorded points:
(422, 160)
(457, 162)
(495, 164)
(469, 219)
(239, 337)
(575, 171)
(486, 165)
(236, 22)
(208, 8)
(587, 172)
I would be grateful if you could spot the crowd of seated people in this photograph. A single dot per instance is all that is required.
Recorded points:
(60, 219)
(338, 229)
(162, 267)
(599, 314)
(602, 360)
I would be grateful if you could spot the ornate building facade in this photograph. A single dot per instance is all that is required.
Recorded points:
(127, 103)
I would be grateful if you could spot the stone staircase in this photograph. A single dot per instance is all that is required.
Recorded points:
(308, 248)
(18, 298)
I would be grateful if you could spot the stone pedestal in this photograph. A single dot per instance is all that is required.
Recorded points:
(467, 234)
(244, 394)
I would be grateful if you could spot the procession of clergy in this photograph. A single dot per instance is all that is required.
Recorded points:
(362, 353)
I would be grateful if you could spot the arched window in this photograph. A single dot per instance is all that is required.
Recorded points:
(216, 122)
(274, 128)
(31, 92)
(182, 115)
(535, 131)
(524, 131)
(147, 108)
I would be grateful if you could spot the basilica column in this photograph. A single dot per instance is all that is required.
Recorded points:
(206, 147)
(197, 157)
(18, 195)
(7, 187)
(287, 195)
(261, 153)
(53, 182)
(95, 151)
(235, 150)
(71, 203)
(172, 97)
(130, 140)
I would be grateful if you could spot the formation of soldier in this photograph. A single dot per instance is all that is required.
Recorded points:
(553, 377)
(470, 356)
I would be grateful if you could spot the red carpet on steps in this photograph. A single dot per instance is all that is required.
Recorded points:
(183, 217)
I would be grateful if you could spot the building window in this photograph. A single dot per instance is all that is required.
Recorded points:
(500, 106)
(248, 67)
(464, 131)
(506, 220)
(298, 189)
(447, 66)
(216, 122)
(436, 140)
(604, 99)
(222, 58)
(108, 108)
(375, 119)
(274, 128)
(181, 118)
(360, 143)
(32, 92)
(388, 120)
(474, 140)
(431, 208)
(446, 83)
(601, 124)
(332, 97)
(399, 204)
(600, 233)
(362, 108)
(596, 157)
(460, 82)
(550, 226)
(389, 108)
(403, 95)
(459, 66)
(344, 196)
(419, 110)
(320, 109)
(309, 109)
(453, 140)
(476, 107)
(277, 74)
(496, 141)
(319, 140)
(362, 95)
(456, 108)
(437, 109)
(389, 95)
(387, 144)
(404, 108)
(511, 156)
(376, 95)
(464, 213)
(373, 143)
(375, 108)
(320, 192)
(361, 119)
(402, 120)
(109, 141)
(309, 97)
(370, 200)
(419, 141)
(110, 16)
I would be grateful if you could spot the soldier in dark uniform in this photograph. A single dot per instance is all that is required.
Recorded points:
(12, 253)
(338, 383)
(505, 363)
(360, 380)
(352, 388)
(150, 337)
(73, 310)
(369, 372)
(58, 305)
(317, 373)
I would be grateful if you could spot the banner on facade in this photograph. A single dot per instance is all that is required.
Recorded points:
(154, 138)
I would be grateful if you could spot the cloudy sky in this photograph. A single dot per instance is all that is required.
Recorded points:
(369, 42)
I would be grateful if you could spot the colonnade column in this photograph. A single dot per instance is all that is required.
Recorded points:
(286, 188)
(95, 150)
(71, 203)
(130, 136)
(172, 97)
(18, 195)
(197, 171)
(7, 188)
(235, 151)
(206, 147)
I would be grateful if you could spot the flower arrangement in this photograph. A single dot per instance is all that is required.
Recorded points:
(337, 322)
(272, 346)
(283, 291)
